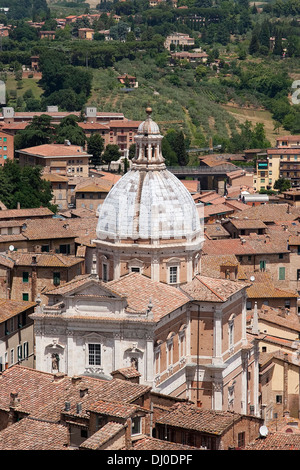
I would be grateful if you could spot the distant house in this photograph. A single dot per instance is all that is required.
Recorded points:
(65, 159)
(47, 35)
(16, 333)
(179, 39)
(59, 185)
(30, 273)
(86, 33)
(128, 80)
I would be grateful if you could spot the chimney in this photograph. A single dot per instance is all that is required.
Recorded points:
(14, 399)
(67, 406)
(78, 408)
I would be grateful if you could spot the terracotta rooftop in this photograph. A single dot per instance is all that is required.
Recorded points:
(207, 289)
(110, 409)
(47, 229)
(150, 443)
(276, 441)
(43, 395)
(10, 308)
(244, 223)
(188, 416)
(25, 213)
(246, 245)
(43, 259)
(55, 150)
(32, 434)
(211, 266)
(140, 290)
(102, 436)
(266, 290)
(270, 213)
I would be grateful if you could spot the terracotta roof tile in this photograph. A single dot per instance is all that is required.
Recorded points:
(32, 434)
(151, 443)
(43, 395)
(103, 435)
(55, 150)
(9, 308)
(139, 290)
(276, 441)
(190, 417)
(209, 289)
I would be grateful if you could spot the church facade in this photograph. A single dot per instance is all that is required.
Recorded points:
(145, 304)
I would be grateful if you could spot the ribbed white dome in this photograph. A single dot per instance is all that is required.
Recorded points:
(148, 205)
(148, 202)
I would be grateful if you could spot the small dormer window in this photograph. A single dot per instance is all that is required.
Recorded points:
(136, 425)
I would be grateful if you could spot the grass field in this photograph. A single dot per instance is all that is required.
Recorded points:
(255, 116)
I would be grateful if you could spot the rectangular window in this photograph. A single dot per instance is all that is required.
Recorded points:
(25, 296)
(94, 354)
(136, 426)
(45, 249)
(241, 439)
(135, 270)
(56, 279)
(281, 274)
(278, 399)
(262, 265)
(12, 357)
(25, 350)
(19, 352)
(64, 249)
(25, 276)
(104, 272)
(173, 274)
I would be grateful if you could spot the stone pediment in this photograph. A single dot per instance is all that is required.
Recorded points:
(93, 288)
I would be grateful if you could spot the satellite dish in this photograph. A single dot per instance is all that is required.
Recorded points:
(11, 247)
(263, 431)
(252, 278)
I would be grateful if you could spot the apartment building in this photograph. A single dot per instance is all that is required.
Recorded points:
(64, 159)
(282, 161)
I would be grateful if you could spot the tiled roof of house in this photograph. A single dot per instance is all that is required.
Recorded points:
(140, 290)
(102, 436)
(32, 434)
(48, 229)
(216, 209)
(215, 230)
(127, 372)
(25, 213)
(207, 289)
(9, 308)
(43, 395)
(111, 409)
(270, 213)
(276, 441)
(246, 245)
(151, 443)
(188, 416)
(55, 150)
(43, 259)
(278, 317)
(266, 290)
(211, 266)
(243, 223)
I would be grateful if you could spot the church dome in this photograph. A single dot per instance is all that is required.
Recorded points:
(149, 202)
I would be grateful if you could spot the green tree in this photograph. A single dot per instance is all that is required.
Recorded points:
(111, 154)
(282, 184)
(254, 44)
(95, 147)
(68, 129)
(24, 185)
(40, 131)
